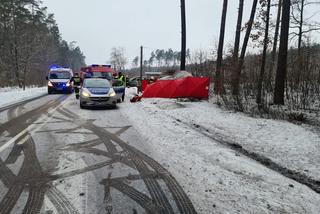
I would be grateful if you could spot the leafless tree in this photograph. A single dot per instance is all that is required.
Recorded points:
(282, 58)
(218, 80)
(237, 42)
(118, 58)
(275, 45)
(265, 47)
(236, 83)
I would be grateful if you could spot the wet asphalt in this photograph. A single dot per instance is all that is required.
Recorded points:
(58, 158)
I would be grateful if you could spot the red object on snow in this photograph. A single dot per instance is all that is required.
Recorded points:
(189, 87)
(144, 84)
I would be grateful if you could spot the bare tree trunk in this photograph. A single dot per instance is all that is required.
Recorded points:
(236, 84)
(183, 36)
(16, 57)
(275, 45)
(264, 54)
(238, 30)
(237, 42)
(218, 82)
(282, 58)
(300, 41)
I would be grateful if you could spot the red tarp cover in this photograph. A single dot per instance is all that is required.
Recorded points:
(189, 87)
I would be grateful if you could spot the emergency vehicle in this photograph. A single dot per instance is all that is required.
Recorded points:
(59, 79)
(97, 71)
(105, 72)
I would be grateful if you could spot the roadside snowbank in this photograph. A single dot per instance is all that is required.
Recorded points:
(12, 95)
(292, 146)
(218, 179)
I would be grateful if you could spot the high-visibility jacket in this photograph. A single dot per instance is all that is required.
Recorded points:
(123, 79)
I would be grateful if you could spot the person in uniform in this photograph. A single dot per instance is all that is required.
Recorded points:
(76, 80)
(122, 78)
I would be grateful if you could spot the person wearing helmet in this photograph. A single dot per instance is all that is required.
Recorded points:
(76, 80)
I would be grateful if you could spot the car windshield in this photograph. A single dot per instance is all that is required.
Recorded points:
(107, 75)
(60, 75)
(96, 83)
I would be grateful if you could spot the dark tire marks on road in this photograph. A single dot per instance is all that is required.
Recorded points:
(60, 202)
(11, 198)
(21, 103)
(158, 196)
(142, 199)
(32, 179)
(35, 200)
(140, 163)
(19, 123)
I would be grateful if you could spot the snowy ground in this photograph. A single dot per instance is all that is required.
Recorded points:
(12, 95)
(187, 139)
(228, 180)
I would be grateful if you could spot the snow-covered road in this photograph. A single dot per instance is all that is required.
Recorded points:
(155, 155)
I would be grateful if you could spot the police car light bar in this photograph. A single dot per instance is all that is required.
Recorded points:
(54, 66)
(95, 65)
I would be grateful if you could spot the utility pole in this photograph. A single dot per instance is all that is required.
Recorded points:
(183, 36)
(141, 67)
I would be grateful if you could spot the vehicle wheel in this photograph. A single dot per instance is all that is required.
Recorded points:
(81, 106)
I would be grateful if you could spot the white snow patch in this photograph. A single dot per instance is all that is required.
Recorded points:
(12, 95)
(216, 178)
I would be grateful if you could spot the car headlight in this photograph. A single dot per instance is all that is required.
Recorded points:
(68, 84)
(85, 94)
(50, 84)
(112, 93)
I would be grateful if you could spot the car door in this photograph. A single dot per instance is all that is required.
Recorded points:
(118, 87)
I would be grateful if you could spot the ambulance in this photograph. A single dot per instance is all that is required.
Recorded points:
(59, 80)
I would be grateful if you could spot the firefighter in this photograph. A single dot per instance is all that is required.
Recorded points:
(76, 80)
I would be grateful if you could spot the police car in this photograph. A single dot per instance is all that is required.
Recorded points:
(97, 92)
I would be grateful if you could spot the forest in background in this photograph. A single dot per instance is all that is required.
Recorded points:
(271, 66)
(30, 42)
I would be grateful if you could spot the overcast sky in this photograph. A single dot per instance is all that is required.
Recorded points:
(99, 25)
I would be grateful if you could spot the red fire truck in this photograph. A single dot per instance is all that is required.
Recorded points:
(97, 71)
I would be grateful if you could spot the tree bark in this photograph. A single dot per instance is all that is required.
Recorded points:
(264, 55)
(236, 83)
(275, 44)
(183, 36)
(300, 42)
(218, 81)
(237, 42)
(282, 58)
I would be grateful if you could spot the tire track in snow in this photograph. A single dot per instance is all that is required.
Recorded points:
(299, 177)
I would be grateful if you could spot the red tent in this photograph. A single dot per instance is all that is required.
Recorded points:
(189, 87)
